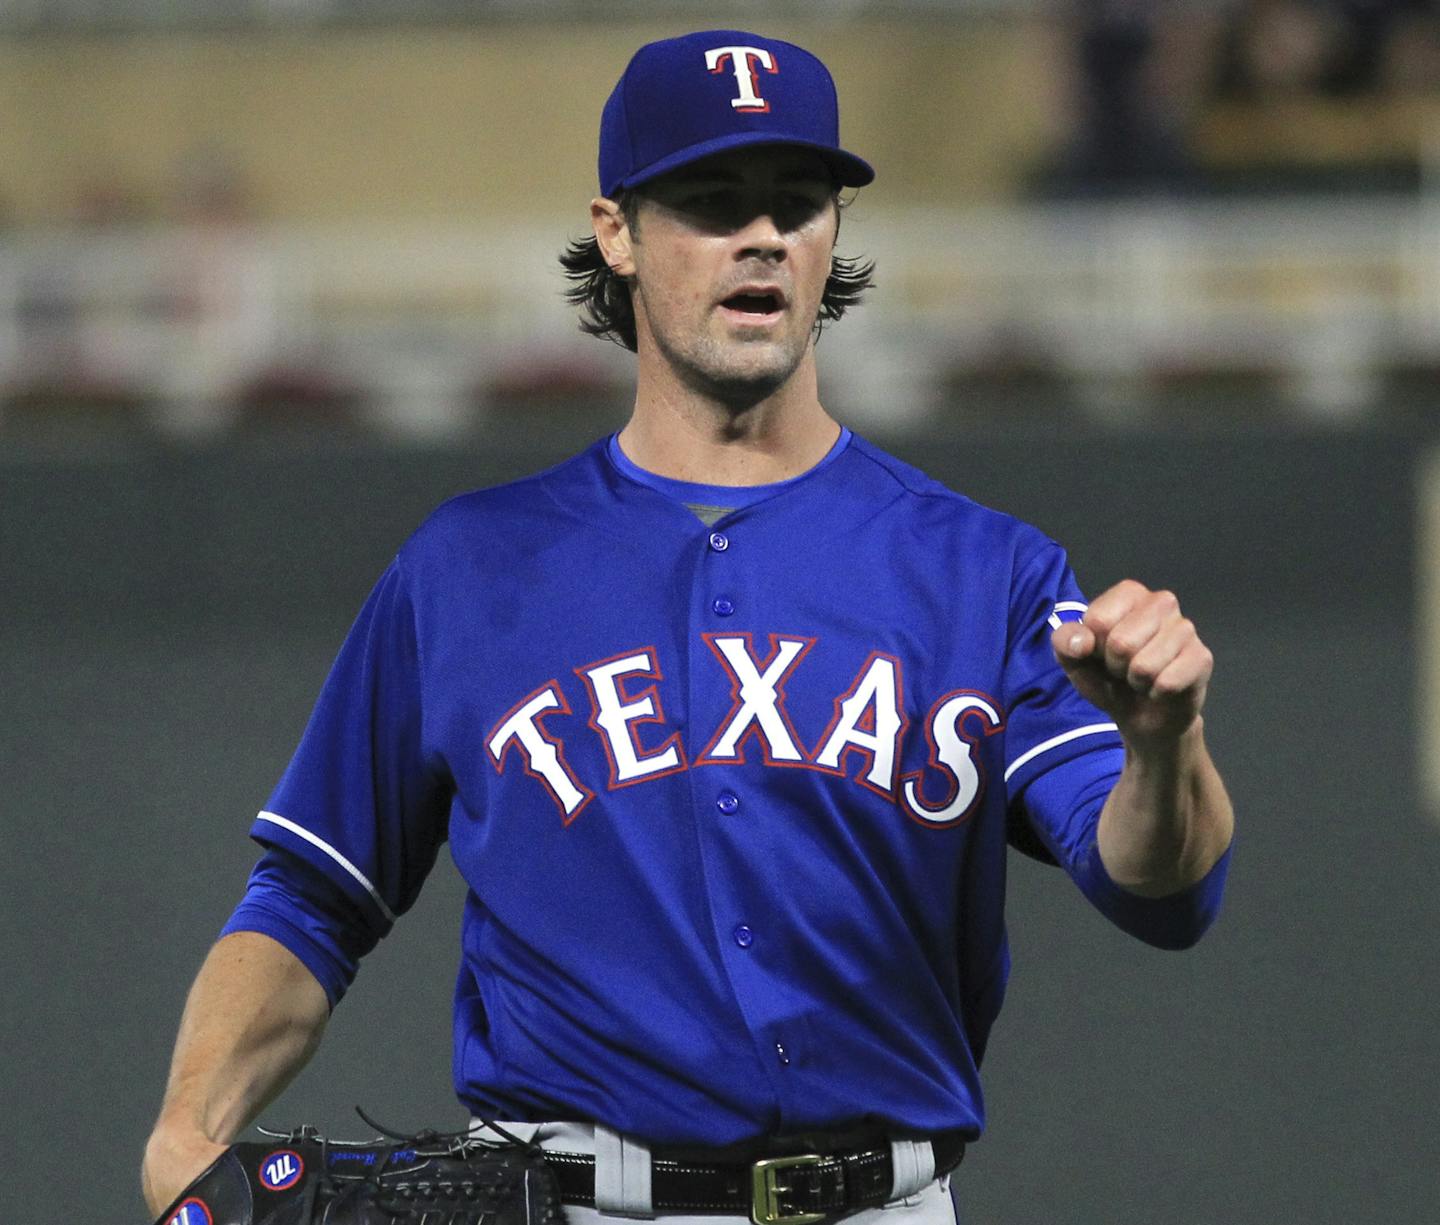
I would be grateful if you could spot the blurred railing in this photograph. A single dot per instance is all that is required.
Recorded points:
(1316, 308)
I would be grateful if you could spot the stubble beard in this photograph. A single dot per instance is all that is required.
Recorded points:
(734, 372)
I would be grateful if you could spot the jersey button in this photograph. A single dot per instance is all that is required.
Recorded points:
(723, 607)
(719, 541)
(727, 802)
(744, 937)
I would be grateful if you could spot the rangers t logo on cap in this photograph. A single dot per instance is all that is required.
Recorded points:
(683, 99)
(740, 60)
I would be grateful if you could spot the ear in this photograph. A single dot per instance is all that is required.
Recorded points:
(612, 233)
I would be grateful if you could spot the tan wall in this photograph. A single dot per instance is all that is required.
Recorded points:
(461, 123)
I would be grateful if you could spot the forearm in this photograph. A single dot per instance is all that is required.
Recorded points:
(253, 1018)
(1168, 819)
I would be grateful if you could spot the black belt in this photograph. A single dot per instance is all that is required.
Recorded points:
(797, 1189)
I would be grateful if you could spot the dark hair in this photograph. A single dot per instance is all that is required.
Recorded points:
(604, 296)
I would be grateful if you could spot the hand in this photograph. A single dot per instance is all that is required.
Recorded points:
(173, 1160)
(1137, 658)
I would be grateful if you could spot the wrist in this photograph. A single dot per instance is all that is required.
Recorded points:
(1161, 751)
(175, 1154)
(185, 1122)
(1168, 819)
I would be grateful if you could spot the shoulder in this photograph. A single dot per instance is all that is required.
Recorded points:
(501, 518)
(950, 514)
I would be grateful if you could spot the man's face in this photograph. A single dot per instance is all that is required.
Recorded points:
(731, 255)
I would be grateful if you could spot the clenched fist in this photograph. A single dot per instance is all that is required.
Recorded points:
(1137, 657)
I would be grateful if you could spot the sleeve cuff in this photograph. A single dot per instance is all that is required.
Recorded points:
(252, 916)
(1175, 921)
(306, 912)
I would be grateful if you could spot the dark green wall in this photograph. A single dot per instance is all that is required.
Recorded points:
(166, 618)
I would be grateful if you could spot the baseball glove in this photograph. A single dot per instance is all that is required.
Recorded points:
(302, 1178)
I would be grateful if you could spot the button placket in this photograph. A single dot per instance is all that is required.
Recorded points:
(727, 803)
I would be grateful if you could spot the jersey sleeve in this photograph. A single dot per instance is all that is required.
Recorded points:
(303, 910)
(1064, 804)
(1047, 721)
(1063, 758)
(361, 800)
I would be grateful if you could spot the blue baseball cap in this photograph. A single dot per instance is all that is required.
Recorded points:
(685, 98)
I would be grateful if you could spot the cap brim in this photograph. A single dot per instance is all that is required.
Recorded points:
(849, 170)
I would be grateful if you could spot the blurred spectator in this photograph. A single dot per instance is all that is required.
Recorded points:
(211, 187)
(1411, 62)
(1135, 71)
(104, 199)
(222, 303)
(1324, 96)
(1276, 49)
(65, 358)
(1181, 96)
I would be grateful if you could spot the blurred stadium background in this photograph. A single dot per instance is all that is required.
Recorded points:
(277, 276)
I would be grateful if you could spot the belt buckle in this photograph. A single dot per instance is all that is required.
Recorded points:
(767, 1189)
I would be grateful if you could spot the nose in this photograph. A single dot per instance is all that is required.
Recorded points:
(762, 238)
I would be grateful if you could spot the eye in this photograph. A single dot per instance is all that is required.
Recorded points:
(797, 207)
(722, 206)
(711, 201)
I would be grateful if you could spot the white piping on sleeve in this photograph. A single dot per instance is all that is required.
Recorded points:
(1056, 741)
(300, 832)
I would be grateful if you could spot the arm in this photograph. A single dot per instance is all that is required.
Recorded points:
(1168, 819)
(253, 1019)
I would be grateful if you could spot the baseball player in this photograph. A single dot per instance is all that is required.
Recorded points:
(726, 721)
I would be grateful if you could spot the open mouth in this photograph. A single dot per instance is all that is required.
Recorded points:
(757, 306)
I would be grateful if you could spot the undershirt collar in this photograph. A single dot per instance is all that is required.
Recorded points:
(710, 502)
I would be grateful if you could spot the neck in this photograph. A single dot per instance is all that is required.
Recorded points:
(682, 433)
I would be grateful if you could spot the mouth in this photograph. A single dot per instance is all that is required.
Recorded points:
(754, 305)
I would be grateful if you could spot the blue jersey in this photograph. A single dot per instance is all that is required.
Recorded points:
(730, 798)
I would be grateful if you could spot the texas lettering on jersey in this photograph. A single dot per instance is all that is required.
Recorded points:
(624, 695)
